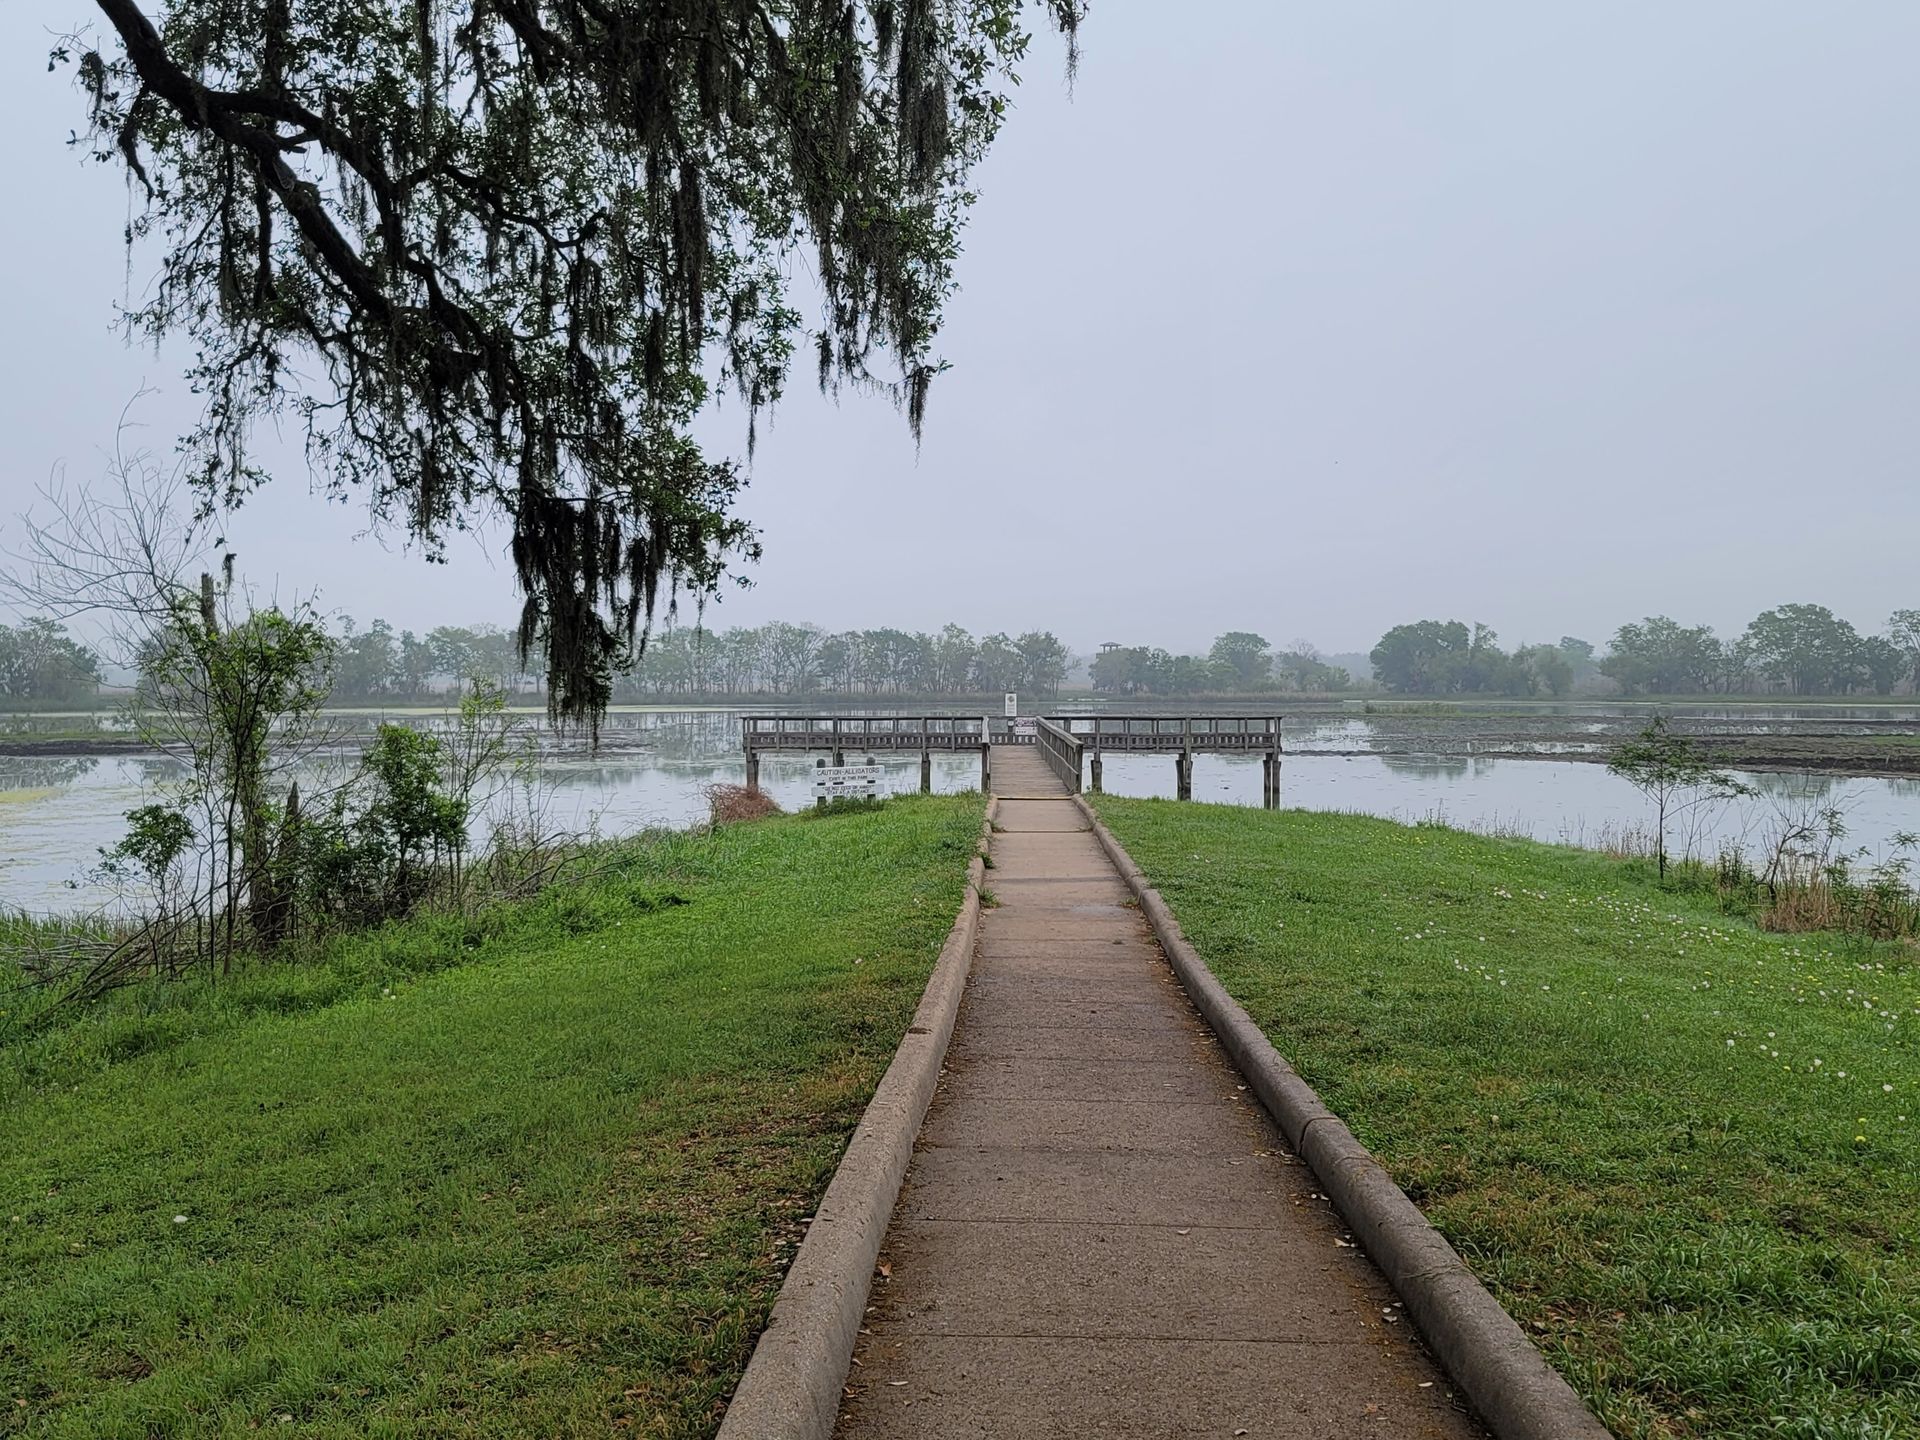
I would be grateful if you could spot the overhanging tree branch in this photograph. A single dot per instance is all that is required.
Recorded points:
(526, 238)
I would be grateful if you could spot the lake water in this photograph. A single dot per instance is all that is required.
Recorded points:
(56, 814)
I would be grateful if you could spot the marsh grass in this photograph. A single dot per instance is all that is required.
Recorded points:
(1683, 1151)
(531, 1172)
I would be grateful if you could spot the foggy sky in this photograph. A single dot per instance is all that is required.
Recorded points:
(1298, 318)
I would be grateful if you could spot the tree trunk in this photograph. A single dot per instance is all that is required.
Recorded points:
(273, 883)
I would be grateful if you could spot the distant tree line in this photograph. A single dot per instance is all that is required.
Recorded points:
(1238, 662)
(41, 664)
(1797, 649)
(1791, 649)
(778, 658)
(381, 663)
(787, 659)
(1445, 657)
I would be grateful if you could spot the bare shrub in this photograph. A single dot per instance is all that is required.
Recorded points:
(733, 804)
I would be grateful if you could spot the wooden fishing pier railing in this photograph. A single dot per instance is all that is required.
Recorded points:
(1065, 742)
(1073, 746)
(869, 735)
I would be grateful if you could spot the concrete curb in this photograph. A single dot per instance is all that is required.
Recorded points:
(1515, 1391)
(792, 1385)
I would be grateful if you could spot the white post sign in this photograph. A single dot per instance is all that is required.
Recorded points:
(860, 782)
(1013, 705)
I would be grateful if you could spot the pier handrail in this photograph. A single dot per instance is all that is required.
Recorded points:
(1228, 734)
(853, 732)
(868, 735)
(1073, 746)
(1061, 750)
(1176, 732)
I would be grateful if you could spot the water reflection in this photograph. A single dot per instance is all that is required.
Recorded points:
(57, 813)
(35, 772)
(1435, 767)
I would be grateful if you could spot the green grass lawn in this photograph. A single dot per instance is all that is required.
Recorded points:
(1685, 1154)
(533, 1175)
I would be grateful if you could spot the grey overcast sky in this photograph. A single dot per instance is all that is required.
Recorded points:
(1295, 317)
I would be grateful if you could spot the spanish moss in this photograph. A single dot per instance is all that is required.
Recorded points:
(495, 255)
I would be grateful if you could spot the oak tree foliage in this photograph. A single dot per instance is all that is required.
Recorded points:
(496, 254)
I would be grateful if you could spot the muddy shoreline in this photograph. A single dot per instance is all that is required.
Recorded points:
(74, 749)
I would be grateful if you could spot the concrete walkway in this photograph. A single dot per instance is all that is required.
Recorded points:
(1100, 1233)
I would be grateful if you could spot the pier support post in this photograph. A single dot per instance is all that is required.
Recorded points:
(1183, 775)
(926, 772)
(1093, 772)
(986, 769)
(753, 770)
(1279, 752)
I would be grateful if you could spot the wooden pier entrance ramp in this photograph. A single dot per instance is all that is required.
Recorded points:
(1101, 1234)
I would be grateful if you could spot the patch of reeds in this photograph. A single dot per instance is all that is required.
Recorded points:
(1803, 877)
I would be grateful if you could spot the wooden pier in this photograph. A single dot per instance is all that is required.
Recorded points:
(1074, 747)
